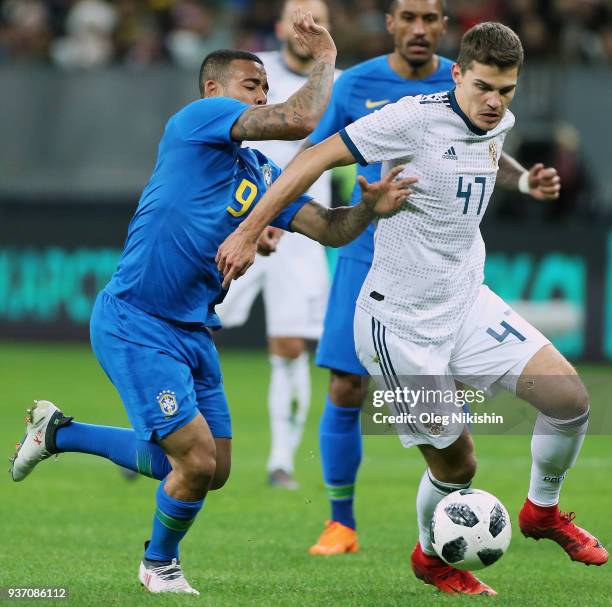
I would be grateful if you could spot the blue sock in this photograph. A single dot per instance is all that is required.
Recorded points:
(170, 524)
(119, 445)
(340, 445)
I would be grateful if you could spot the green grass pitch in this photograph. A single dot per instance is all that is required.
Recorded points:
(77, 523)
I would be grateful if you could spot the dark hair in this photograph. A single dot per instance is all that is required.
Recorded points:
(393, 6)
(490, 43)
(215, 65)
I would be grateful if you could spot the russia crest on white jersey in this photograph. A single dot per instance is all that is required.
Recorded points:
(429, 258)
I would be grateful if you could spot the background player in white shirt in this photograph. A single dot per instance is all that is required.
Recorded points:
(294, 280)
(423, 310)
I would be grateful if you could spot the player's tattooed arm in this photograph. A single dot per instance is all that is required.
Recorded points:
(337, 227)
(295, 118)
(332, 227)
(540, 182)
(298, 116)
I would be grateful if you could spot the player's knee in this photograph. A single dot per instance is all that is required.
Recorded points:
(198, 468)
(459, 472)
(346, 390)
(287, 347)
(573, 399)
(578, 399)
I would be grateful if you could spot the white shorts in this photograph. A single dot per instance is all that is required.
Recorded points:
(489, 352)
(295, 285)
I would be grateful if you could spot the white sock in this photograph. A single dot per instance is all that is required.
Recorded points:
(280, 396)
(554, 449)
(300, 380)
(431, 491)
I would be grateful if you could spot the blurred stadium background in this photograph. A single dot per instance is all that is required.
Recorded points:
(87, 86)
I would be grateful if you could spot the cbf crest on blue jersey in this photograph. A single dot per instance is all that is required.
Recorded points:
(167, 402)
(267, 173)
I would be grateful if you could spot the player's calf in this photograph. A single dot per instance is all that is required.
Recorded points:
(223, 462)
(455, 464)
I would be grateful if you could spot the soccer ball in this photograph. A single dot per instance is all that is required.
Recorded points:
(470, 529)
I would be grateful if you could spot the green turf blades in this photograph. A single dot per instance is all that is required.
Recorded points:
(249, 546)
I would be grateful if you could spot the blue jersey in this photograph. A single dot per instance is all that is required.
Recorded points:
(362, 90)
(203, 185)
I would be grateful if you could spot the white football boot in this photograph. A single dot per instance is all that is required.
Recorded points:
(42, 422)
(162, 576)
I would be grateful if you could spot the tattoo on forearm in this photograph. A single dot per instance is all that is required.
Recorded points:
(279, 120)
(346, 223)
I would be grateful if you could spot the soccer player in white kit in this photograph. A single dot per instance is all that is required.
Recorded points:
(294, 280)
(423, 309)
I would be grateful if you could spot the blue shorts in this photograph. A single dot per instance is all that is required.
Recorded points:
(337, 345)
(164, 374)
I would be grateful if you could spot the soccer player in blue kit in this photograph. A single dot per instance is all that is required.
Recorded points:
(150, 326)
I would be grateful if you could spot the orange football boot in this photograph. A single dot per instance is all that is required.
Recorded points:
(433, 570)
(546, 522)
(335, 539)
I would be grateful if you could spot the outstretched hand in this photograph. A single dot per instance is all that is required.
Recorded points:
(235, 256)
(387, 196)
(544, 183)
(311, 36)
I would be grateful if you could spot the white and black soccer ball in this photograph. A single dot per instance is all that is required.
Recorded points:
(470, 529)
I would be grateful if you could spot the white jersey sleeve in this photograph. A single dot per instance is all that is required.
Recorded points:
(395, 131)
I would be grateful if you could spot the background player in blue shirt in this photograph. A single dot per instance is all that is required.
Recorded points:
(412, 68)
(150, 327)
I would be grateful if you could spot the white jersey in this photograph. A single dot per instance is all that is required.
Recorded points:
(429, 258)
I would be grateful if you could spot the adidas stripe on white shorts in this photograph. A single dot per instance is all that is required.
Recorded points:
(488, 352)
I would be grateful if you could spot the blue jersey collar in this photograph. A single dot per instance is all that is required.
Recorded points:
(431, 76)
(455, 107)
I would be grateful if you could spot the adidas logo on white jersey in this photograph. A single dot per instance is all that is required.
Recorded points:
(450, 154)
